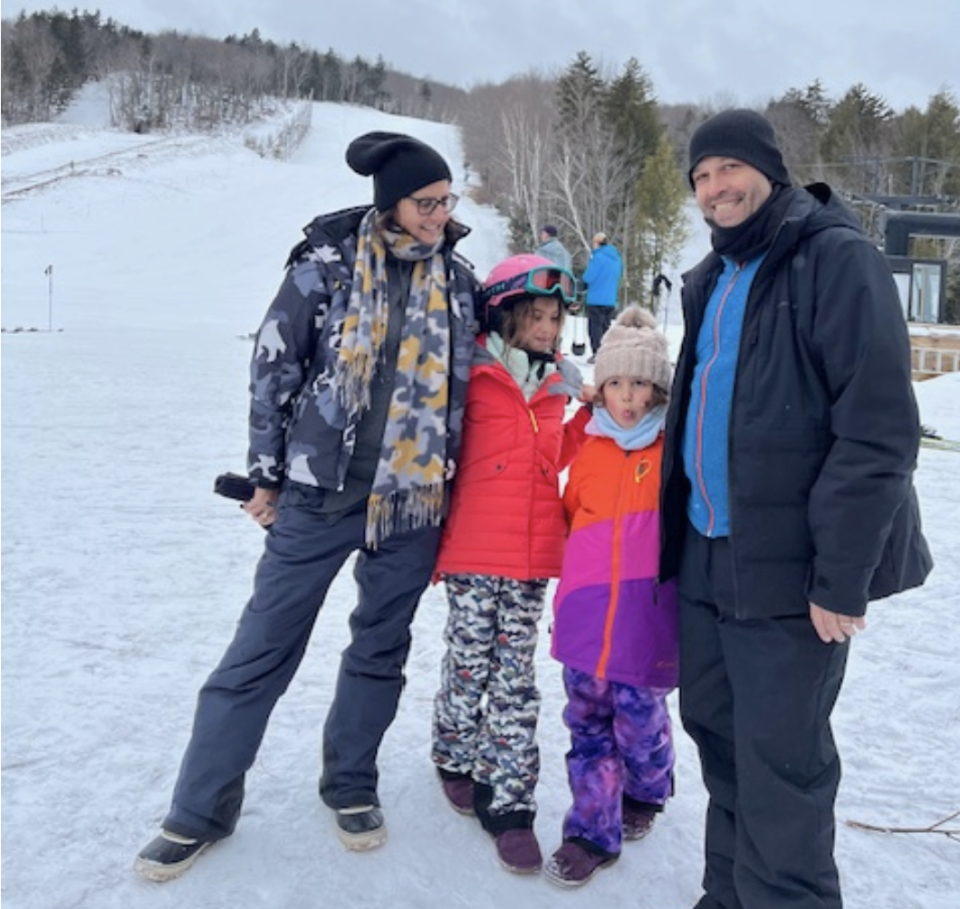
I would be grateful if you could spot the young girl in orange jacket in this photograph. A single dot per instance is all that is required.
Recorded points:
(615, 625)
(503, 541)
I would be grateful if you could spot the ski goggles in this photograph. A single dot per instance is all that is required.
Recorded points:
(543, 281)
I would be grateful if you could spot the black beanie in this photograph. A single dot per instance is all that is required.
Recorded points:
(741, 134)
(399, 165)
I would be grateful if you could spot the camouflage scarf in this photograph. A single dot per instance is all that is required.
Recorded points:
(408, 487)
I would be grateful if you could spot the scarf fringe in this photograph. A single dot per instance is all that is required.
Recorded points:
(402, 511)
(353, 389)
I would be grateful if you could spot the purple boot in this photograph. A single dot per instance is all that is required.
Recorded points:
(519, 851)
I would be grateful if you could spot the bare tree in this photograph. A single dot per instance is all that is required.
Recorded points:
(29, 56)
(525, 159)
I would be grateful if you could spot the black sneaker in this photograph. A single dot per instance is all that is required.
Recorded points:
(168, 856)
(361, 828)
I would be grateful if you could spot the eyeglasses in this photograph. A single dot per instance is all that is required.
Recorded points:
(427, 206)
(543, 281)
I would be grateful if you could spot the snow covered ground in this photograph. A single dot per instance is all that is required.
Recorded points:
(153, 258)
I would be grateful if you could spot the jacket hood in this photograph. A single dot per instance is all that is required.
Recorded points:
(814, 208)
(606, 252)
(817, 207)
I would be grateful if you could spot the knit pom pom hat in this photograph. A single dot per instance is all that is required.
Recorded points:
(632, 346)
(741, 134)
(399, 165)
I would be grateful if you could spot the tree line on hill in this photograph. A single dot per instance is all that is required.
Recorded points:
(585, 148)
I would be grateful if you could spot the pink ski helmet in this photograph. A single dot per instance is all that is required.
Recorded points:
(527, 275)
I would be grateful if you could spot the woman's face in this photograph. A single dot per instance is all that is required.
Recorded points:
(539, 329)
(426, 229)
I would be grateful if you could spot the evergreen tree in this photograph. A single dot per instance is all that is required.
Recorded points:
(930, 143)
(859, 133)
(800, 118)
(631, 114)
(662, 221)
(580, 92)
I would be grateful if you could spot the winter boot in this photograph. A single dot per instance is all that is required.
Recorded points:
(361, 828)
(638, 818)
(168, 856)
(573, 864)
(458, 788)
(519, 851)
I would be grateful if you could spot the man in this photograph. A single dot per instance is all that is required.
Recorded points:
(788, 504)
(602, 278)
(551, 248)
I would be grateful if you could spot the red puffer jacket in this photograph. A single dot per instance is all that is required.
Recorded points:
(506, 516)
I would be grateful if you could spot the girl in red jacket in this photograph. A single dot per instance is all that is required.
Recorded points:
(615, 626)
(503, 541)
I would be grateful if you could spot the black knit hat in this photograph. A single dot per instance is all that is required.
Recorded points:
(399, 165)
(741, 134)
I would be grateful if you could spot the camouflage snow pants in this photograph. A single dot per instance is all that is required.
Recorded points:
(485, 713)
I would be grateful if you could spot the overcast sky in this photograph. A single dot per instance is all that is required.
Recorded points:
(733, 52)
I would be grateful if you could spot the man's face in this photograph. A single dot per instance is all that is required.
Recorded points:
(728, 190)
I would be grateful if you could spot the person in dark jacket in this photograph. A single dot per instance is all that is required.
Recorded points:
(788, 504)
(602, 278)
(358, 387)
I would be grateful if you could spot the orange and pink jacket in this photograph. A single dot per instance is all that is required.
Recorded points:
(506, 517)
(612, 618)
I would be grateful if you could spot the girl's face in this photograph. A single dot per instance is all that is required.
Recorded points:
(539, 329)
(627, 399)
(426, 229)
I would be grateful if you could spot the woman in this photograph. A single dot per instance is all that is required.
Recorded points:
(358, 382)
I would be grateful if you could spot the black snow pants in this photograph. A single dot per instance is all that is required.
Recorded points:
(756, 697)
(304, 551)
(599, 319)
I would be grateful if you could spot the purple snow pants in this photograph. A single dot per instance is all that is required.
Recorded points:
(621, 745)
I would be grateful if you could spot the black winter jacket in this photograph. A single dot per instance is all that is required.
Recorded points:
(824, 428)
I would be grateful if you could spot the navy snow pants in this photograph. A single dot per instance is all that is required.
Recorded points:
(756, 697)
(304, 551)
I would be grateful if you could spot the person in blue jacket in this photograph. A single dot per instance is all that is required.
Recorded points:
(602, 278)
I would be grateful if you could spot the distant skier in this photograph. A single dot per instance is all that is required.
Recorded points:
(602, 278)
